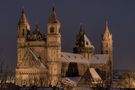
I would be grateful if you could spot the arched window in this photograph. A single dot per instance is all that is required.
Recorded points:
(72, 70)
(87, 43)
(51, 29)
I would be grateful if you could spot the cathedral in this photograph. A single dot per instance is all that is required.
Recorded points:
(41, 62)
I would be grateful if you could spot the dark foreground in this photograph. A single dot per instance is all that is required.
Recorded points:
(14, 87)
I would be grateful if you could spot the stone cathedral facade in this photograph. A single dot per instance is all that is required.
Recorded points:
(41, 62)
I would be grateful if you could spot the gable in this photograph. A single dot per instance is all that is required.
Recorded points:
(32, 59)
(90, 78)
(86, 79)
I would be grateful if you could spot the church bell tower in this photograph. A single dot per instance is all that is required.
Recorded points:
(53, 48)
(107, 48)
(23, 29)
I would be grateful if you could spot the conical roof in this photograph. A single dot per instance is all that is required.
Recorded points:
(107, 34)
(53, 17)
(107, 28)
(87, 42)
(82, 39)
(23, 20)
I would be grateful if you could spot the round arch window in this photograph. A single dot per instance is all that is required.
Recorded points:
(51, 29)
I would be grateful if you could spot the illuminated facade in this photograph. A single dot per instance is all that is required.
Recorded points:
(41, 62)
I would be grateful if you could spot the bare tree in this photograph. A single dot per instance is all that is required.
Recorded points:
(6, 73)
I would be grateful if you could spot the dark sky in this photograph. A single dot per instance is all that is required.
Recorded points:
(92, 13)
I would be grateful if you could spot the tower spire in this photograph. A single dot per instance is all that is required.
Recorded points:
(107, 48)
(23, 10)
(23, 25)
(106, 34)
(106, 28)
(53, 17)
(83, 45)
(23, 19)
(81, 27)
(106, 42)
(54, 46)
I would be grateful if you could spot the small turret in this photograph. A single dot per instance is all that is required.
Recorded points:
(23, 19)
(83, 44)
(23, 25)
(53, 17)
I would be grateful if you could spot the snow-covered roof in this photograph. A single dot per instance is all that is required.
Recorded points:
(68, 81)
(78, 58)
(87, 42)
(95, 75)
(72, 81)
(72, 57)
(99, 59)
(75, 79)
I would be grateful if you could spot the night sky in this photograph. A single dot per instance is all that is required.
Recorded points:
(120, 15)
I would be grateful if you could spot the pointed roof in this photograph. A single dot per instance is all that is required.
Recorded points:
(36, 29)
(87, 42)
(90, 77)
(23, 19)
(107, 28)
(82, 39)
(53, 17)
(81, 28)
(36, 34)
(107, 35)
